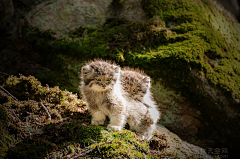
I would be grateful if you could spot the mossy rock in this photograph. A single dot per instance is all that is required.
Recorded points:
(190, 45)
(178, 38)
(19, 121)
(27, 133)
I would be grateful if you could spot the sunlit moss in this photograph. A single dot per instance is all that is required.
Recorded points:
(120, 144)
(32, 92)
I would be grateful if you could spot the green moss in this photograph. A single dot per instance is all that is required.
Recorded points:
(28, 149)
(74, 133)
(29, 92)
(118, 1)
(211, 50)
(69, 76)
(3, 114)
(7, 141)
(121, 144)
(205, 44)
(111, 144)
(25, 88)
(75, 137)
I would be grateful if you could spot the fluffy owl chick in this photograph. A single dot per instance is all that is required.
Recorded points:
(140, 118)
(135, 83)
(138, 87)
(102, 91)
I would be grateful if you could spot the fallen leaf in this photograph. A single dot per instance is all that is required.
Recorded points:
(119, 143)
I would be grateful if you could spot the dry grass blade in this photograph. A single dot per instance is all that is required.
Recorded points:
(84, 153)
(49, 116)
(9, 93)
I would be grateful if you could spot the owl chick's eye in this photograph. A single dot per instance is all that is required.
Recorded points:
(135, 90)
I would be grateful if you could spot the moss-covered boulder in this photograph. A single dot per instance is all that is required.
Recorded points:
(190, 48)
(191, 45)
(45, 122)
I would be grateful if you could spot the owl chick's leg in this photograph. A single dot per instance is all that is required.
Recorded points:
(148, 131)
(98, 118)
(117, 122)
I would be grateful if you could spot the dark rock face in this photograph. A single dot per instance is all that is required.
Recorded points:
(232, 6)
(14, 63)
(7, 26)
(177, 113)
(180, 147)
(63, 16)
(7, 10)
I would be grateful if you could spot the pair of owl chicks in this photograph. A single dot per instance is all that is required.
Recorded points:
(122, 95)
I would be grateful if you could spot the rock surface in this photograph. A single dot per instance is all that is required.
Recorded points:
(232, 6)
(177, 114)
(132, 11)
(6, 18)
(181, 148)
(63, 16)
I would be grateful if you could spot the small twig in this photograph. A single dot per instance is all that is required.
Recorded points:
(136, 146)
(133, 144)
(145, 157)
(16, 116)
(27, 120)
(13, 112)
(15, 100)
(9, 93)
(4, 73)
(84, 153)
(98, 149)
(49, 116)
(88, 151)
